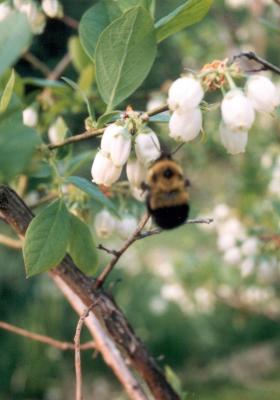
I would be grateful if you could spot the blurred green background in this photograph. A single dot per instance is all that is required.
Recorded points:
(211, 315)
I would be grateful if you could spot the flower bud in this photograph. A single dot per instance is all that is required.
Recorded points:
(237, 111)
(30, 117)
(35, 18)
(52, 8)
(147, 147)
(232, 256)
(57, 130)
(136, 173)
(186, 125)
(234, 141)
(184, 94)
(5, 10)
(262, 93)
(126, 227)
(104, 224)
(103, 171)
(250, 246)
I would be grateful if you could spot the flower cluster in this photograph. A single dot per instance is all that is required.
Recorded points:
(35, 14)
(115, 149)
(106, 224)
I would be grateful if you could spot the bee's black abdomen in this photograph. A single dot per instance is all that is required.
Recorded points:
(170, 217)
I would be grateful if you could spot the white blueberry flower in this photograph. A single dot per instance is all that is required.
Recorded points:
(126, 227)
(236, 3)
(232, 226)
(247, 266)
(116, 142)
(250, 246)
(104, 224)
(185, 125)
(52, 8)
(263, 93)
(5, 10)
(30, 117)
(103, 171)
(136, 173)
(232, 256)
(36, 19)
(147, 147)
(226, 242)
(57, 130)
(184, 94)
(234, 141)
(221, 211)
(237, 111)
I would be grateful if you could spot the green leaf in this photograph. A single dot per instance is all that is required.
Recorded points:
(76, 162)
(127, 4)
(86, 78)
(185, 15)
(15, 36)
(7, 93)
(81, 246)
(17, 143)
(79, 58)
(108, 117)
(43, 82)
(162, 117)
(94, 21)
(46, 239)
(92, 190)
(173, 379)
(125, 53)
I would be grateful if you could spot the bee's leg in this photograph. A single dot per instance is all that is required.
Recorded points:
(144, 186)
(187, 182)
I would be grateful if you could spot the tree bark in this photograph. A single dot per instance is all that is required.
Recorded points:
(105, 310)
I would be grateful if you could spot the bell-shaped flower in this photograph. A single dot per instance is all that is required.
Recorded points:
(136, 173)
(57, 130)
(104, 224)
(103, 171)
(30, 117)
(184, 94)
(234, 141)
(186, 125)
(126, 226)
(116, 142)
(5, 10)
(52, 8)
(147, 147)
(263, 93)
(237, 110)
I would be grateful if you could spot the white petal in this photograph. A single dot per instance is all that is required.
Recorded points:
(184, 94)
(103, 170)
(147, 147)
(237, 110)
(104, 224)
(263, 93)
(120, 149)
(185, 126)
(136, 172)
(126, 227)
(234, 141)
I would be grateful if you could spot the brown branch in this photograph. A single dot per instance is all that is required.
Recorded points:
(96, 132)
(10, 242)
(106, 322)
(265, 65)
(70, 22)
(43, 200)
(106, 271)
(36, 63)
(45, 339)
(277, 2)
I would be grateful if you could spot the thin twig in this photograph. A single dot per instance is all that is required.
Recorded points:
(103, 275)
(36, 63)
(265, 64)
(43, 200)
(96, 132)
(60, 67)
(109, 251)
(9, 242)
(45, 339)
(156, 231)
(77, 341)
(277, 2)
(70, 21)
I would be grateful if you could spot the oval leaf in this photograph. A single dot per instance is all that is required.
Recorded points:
(81, 246)
(125, 53)
(15, 36)
(7, 93)
(46, 239)
(94, 21)
(185, 15)
(92, 190)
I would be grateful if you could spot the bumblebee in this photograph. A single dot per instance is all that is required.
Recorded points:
(168, 199)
